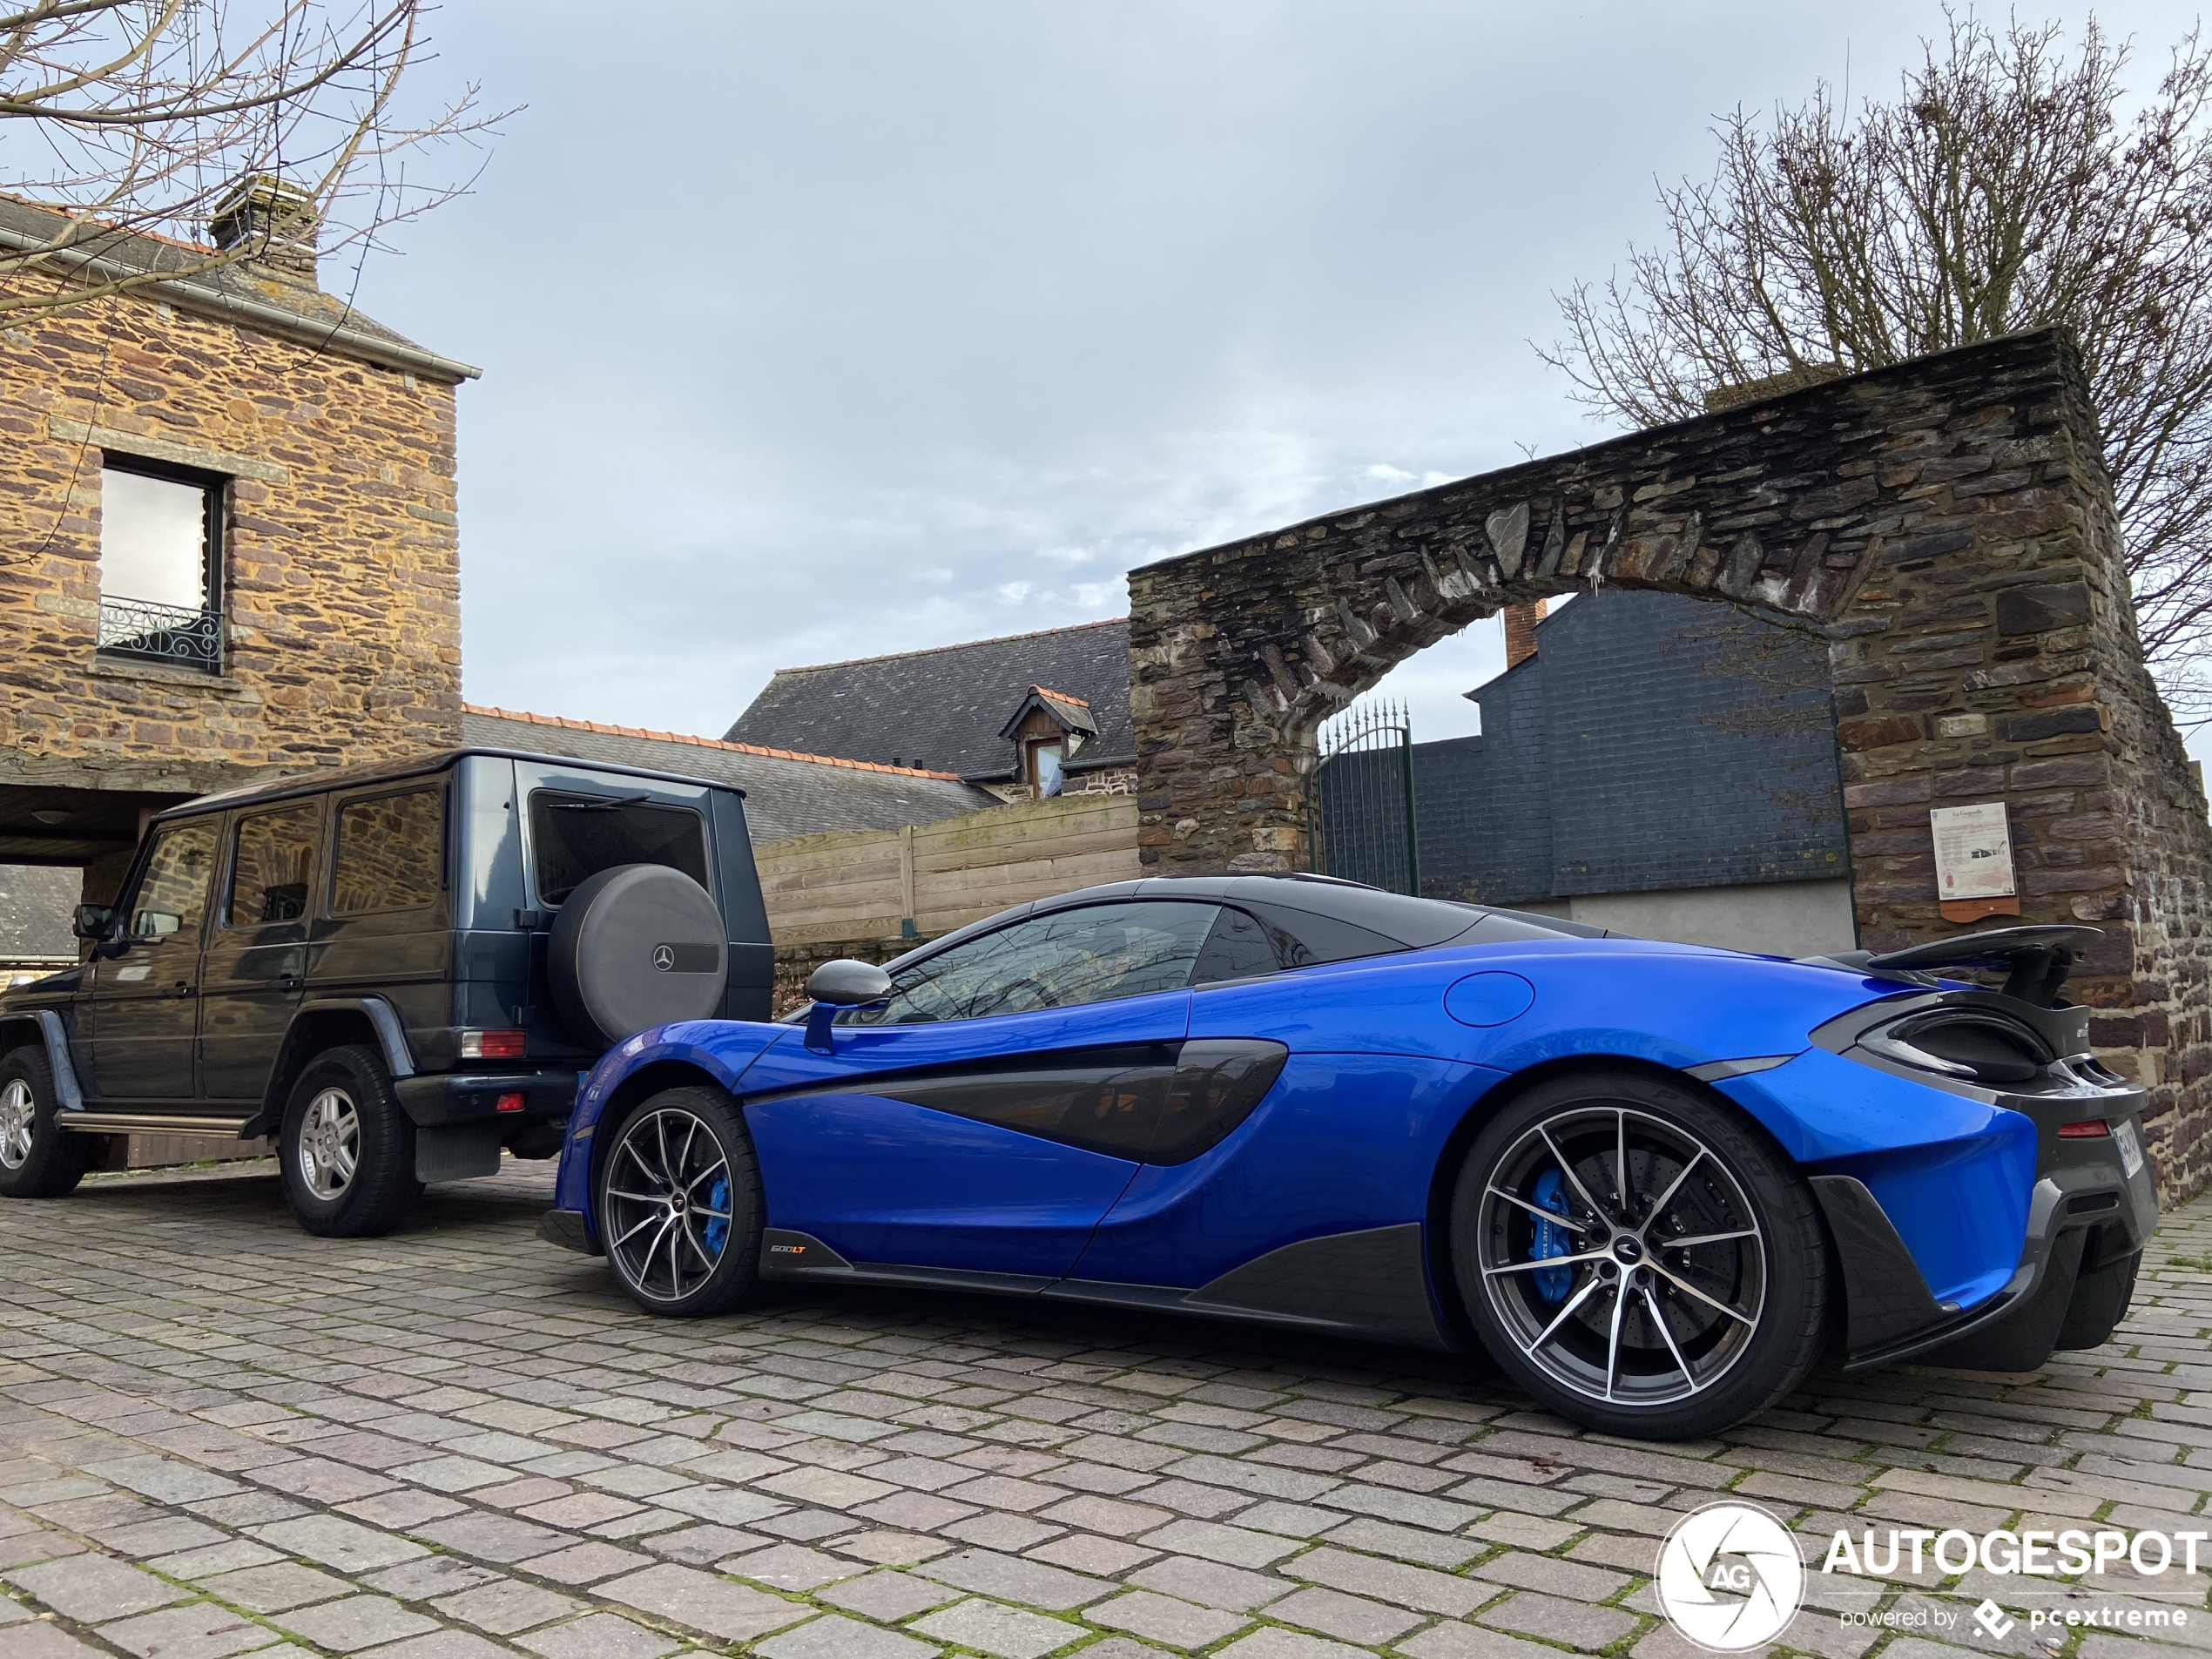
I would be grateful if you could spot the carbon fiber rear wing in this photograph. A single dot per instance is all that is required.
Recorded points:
(2035, 960)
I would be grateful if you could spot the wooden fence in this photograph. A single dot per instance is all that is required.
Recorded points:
(872, 893)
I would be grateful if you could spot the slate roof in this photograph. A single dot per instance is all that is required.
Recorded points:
(946, 708)
(785, 793)
(240, 293)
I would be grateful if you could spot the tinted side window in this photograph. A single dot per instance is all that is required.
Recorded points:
(1098, 953)
(173, 895)
(577, 836)
(1239, 946)
(273, 868)
(1306, 938)
(391, 851)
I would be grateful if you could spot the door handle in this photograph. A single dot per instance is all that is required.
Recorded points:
(289, 982)
(178, 989)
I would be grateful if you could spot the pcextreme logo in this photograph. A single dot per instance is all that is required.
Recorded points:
(1729, 1577)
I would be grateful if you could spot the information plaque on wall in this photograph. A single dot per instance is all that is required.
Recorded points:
(1973, 860)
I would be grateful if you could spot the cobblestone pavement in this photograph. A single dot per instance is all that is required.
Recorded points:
(221, 1435)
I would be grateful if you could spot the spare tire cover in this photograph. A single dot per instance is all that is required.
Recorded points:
(634, 947)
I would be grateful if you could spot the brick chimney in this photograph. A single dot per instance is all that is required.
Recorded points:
(1521, 632)
(274, 220)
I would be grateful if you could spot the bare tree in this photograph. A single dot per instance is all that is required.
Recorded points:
(2003, 188)
(132, 116)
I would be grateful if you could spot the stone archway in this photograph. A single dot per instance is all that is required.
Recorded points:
(1945, 524)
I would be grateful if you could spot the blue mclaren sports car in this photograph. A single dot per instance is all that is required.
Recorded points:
(1656, 1182)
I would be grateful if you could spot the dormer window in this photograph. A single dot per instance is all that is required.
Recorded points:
(1046, 732)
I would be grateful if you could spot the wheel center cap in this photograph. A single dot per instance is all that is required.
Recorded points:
(1627, 1248)
(676, 1204)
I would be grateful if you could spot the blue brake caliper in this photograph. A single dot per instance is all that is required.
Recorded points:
(718, 1198)
(1552, 1282)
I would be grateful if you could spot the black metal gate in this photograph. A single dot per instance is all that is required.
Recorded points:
(1359, 799)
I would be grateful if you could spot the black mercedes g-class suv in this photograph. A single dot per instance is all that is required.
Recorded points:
(396, 971)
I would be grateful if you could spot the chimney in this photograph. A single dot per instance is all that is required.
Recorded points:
(274, 221)
(1521, 632)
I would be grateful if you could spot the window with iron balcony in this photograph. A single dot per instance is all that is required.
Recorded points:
(161, 564)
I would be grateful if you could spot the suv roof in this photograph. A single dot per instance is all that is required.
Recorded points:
(415, 767)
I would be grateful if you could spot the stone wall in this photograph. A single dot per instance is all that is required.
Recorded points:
(1945, 525)
(342, 586)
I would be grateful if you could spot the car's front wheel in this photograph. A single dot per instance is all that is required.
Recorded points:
(347, 1148)
(1637, 1257)
(680, 1210)
(38, 1159)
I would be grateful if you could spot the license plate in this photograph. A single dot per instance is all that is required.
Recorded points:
(2131, 1147)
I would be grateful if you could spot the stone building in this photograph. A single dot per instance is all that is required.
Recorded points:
(228, 500)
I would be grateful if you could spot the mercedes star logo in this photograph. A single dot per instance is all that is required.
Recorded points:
(664, 957)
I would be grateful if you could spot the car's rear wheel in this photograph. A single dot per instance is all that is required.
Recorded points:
(1637, 1257)
(347, 1148)
(680, 1210)
(37, 1158)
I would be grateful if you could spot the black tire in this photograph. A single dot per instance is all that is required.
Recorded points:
(1634, 1335)
(674, 1250)
(37, 1160)
(343, 1103)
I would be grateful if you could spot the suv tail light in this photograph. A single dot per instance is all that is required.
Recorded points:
(491, 1045)
(2088, 1128)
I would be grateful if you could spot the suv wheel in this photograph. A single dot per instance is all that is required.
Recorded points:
(37, 1160)
(347, 1150)
(679, 1205)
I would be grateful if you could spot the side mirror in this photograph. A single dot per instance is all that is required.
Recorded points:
(841, 984)
(92, 920)
(848, 984)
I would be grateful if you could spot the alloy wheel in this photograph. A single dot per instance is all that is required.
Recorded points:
(330, 1143)
(19, 1121)
(667, 1204)
(1621, 1255)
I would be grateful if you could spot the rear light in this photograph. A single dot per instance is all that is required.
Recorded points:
(491, 1045)
(509, 1102)
(2089, 1129)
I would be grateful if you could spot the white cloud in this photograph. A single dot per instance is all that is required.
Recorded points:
(876, 321)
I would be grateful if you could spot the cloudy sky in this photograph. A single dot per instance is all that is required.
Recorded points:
(824, 329)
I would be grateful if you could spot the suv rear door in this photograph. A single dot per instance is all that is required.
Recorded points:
(577, 822)
(256, 963)
(386, 924)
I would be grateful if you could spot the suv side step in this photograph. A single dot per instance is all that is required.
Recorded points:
(149, 1124)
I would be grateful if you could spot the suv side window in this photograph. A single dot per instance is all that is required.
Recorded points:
(272, 866)
(1097, 954)
(390, 852)
(573, 837)
(172, 894)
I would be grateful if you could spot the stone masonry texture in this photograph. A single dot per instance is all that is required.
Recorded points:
(1945, 525)
(341, 589)
(218, 1436)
